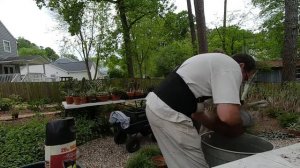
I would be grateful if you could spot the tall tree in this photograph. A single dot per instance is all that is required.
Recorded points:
(290, 40)
(89, 29)
(71, 56)
(237, 40)
(201, 26)
(24, 43)
(192, 25)
(26, 48)
(272, 13)
(129, 12)
(51, 54)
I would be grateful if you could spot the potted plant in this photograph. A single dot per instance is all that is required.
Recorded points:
(91, 95)
(76, 96)
(117, 93)
(139, 94)
(130, 94)
(83, 97)
(83, 91)
(102, 96)
(66, 88)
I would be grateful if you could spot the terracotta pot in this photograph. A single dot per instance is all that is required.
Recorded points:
(159, 161)
(139, 94)
(130, 95)
(83, 100)
(115, 97)
(77, 100)
(102, 98)
(91, 99)
(69, 99)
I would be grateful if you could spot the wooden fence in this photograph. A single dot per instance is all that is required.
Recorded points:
(31, 90)
(50, 90)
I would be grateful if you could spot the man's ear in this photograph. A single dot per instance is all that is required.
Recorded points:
(242, 65)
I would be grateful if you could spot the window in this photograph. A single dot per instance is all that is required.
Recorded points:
(8, 69)
(6, 46)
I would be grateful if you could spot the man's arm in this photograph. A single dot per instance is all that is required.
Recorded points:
(228, 122)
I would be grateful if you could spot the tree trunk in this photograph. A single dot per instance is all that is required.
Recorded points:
(126, 37)
(85, 53)
(201, 26)
(290, 41)
(224, 27)
(192, 26)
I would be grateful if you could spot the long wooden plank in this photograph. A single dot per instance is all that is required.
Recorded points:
(286, 157)
(73, 106)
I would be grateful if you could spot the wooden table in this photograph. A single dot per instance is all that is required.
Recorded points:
(68, 107)
(286, 157)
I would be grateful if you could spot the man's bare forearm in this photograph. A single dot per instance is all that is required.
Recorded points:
(218, 126)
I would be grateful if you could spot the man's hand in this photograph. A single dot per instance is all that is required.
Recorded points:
(228, 121)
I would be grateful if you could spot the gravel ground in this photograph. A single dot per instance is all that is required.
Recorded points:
(285, 142)
(104, 153)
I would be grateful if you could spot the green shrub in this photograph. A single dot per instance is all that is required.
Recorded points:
(36, 105)
(84, 128)
(103, 127)
(273, 112)
(294, 126)
(22, 144)
(142, 159)
(286, 119)
(6, 104)
(16, 98)
(89, 129)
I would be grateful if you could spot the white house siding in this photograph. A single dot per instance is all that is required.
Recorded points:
(55, 72)
(80, 75)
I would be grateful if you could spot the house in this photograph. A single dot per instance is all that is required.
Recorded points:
(10, 62)
(8, 51)
(63, 68)
(272, 71)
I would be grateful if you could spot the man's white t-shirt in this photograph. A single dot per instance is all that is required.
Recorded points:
(210, 74)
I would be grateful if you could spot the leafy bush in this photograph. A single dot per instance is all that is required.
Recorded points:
(116, 73)
(103, 127)
(36, 105)
(84, 129)
(142, 159)
(273, 112)
(293, 126)
(5, 104)
(22, 144)
(286, 119)
(88, 129)
(16, 98)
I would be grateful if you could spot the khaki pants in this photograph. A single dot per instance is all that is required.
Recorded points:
(179, 142)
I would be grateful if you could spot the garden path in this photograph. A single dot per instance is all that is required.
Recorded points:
(6, 117)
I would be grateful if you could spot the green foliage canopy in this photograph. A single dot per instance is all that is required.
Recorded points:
(26, 48)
